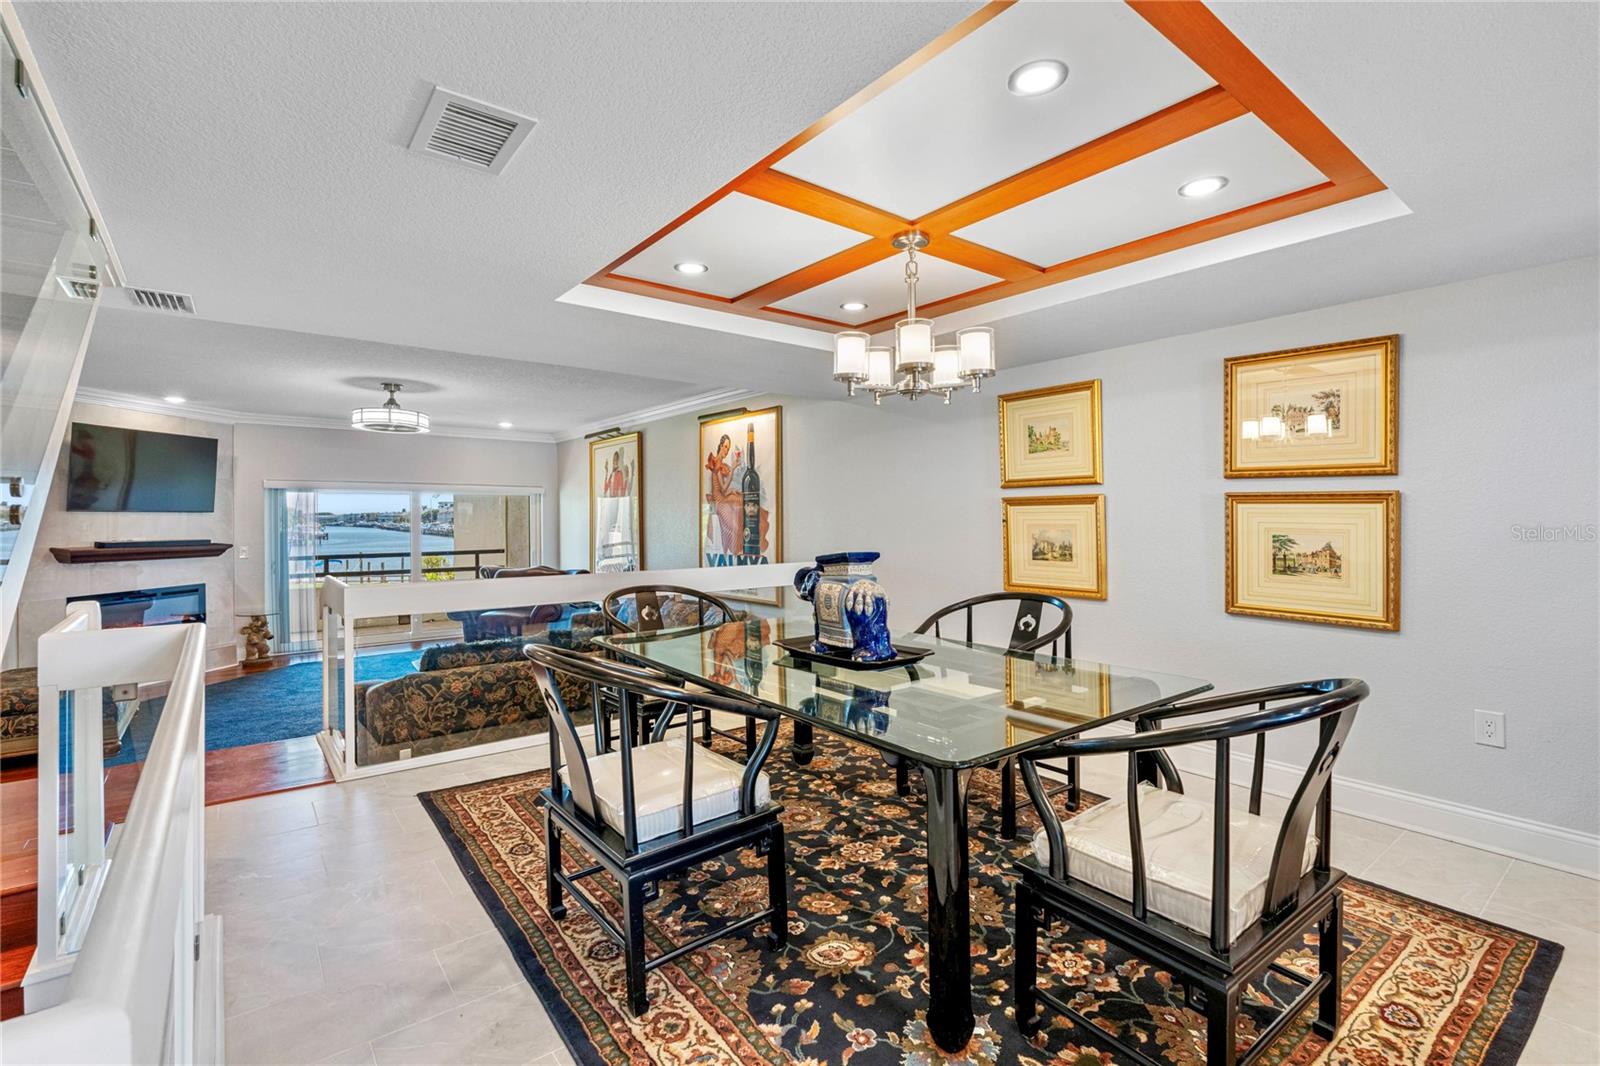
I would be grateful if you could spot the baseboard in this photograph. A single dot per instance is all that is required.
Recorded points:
(1504, 834)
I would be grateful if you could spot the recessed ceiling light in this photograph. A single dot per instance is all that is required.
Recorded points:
(174, 399)
(1037, 78)
(690, 268)
(505, 425)
(1203, 186)
(852, 305)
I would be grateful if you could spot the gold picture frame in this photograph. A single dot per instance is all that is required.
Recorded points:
(1334, 411)
(616, 503)
(1351, 579)
(1072, 691)
(721, 462)
(1055, 545)
(1051, 436)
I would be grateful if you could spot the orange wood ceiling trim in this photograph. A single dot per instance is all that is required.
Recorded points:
(1184, 119)
(1200, 35)
(1244, 86)
(1197, 232)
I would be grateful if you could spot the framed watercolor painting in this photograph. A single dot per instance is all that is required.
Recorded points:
(616, 504)
(740, 458)
(1331, 557)
(1068, 691)
(1308, 412)
(1050, 436)
(1056, 545)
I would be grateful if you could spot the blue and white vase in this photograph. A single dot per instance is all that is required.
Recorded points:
(850, 608)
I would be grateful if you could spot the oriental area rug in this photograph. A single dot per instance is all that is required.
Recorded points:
(1423, 985)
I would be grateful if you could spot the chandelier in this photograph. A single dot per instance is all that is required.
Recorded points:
(914, 366)
(391, 417)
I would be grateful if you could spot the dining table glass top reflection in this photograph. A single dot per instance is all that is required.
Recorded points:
(962, 706)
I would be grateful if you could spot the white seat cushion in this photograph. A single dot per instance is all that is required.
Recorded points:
(1177, 856)
(658, 787)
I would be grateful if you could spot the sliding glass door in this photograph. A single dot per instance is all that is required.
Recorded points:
(362, 534)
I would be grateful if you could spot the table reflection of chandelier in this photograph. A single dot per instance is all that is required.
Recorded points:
(915, 365)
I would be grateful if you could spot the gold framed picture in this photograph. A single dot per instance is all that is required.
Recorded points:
(616, 504)
(1330, 557)
(1051, 436)
(741, 494)
(1055, 545)
(1332, 409)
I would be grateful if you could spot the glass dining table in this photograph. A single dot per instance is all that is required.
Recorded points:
(960, 708)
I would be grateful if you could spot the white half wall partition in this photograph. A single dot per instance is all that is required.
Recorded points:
(344, 604)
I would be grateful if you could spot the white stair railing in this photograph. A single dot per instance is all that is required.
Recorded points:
(145, 986)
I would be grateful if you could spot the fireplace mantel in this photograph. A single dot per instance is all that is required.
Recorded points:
(136, 553)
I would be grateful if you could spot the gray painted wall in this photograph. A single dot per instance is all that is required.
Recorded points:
(1498, 430)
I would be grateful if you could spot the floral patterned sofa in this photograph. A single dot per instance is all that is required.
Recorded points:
(463, 695)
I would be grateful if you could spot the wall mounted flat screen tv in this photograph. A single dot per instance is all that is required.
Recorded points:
(115, 469)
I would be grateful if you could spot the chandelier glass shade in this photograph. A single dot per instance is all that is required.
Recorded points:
(915, 365)
(390, 418)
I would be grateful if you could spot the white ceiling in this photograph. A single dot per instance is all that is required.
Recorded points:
(882, 287)
(254, 156)
(952, 127)
(1140, 197)
(746, 242)
(138, 357)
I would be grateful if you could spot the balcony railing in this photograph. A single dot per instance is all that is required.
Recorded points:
(323, 564)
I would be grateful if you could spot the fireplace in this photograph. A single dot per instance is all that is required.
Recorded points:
(168, 606)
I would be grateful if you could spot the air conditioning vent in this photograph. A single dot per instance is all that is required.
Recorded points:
(156, 300)
(470, 132)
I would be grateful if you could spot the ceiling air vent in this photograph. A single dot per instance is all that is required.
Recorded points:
(156, 300)
(81, 284)
(470, 132)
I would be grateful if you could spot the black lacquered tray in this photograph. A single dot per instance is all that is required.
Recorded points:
(800, 648)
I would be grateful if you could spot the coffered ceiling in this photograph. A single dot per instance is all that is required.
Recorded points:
(256, 156)
(1016, 192)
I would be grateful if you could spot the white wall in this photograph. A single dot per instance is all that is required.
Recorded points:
(49, 583)
(1498, 428)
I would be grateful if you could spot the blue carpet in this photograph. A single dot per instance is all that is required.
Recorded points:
(273, 705)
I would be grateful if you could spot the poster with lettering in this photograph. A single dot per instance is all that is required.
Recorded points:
(741, 494)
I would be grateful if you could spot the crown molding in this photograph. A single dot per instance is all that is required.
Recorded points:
(204, 413)
(656, 414)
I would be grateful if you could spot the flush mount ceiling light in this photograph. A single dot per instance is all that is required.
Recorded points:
(504, 425)
(1203, 186)
(852, 305)
(174, 399)
(914, 365)
(690, 268)
(1037, 78)
(391, 417)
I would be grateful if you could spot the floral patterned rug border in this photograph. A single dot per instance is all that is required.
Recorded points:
(1425, 985)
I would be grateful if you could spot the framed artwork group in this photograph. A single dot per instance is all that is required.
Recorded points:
(1329, 410)
(1323, 411)
(1055, 545)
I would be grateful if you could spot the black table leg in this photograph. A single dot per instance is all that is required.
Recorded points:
(950, 1020)
(803, 747)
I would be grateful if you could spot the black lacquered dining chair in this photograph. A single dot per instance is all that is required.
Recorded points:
(647, 811)
(1211, 895)
(650, 609)
(1040, 620)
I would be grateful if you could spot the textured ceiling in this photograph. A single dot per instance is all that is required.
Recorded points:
(144, 355)
(254, 155)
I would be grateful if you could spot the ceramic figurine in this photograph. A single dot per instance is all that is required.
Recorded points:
(850, 608)
(256, 635)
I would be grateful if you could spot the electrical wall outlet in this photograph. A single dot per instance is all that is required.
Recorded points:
(1489, 728)
(244, 551)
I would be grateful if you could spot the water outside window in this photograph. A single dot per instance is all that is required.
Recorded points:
(366, 535)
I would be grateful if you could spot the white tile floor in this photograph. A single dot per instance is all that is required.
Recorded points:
(351, 937)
